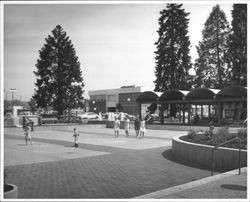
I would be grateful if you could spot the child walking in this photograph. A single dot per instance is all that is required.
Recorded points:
(127, 126)
(116, 126)
(27, 134)
(76, 137)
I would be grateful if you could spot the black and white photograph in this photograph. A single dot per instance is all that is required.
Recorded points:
(124, 100)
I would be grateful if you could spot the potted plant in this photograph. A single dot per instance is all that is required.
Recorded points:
(10, 190)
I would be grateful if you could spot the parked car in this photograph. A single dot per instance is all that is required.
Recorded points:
(68, 119)
(88, 115)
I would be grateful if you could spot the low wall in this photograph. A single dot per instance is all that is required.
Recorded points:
(18, 121)
(225, 159)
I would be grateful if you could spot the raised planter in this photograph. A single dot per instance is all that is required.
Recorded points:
(10, 191)
(225, 159)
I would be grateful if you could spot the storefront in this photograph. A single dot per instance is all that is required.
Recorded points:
(201, 106)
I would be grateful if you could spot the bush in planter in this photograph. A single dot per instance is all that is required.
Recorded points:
(210, 132)
(222, 135)
(191, 133)
(242, 134)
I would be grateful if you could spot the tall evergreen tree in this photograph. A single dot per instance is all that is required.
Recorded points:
(238, 45)
(59, 78)
(211, 65)
(172, 56)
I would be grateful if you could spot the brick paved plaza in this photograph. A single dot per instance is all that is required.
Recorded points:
(103, 166)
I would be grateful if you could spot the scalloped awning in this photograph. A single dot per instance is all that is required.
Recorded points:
(234, 91)
(147, 96)
(173, 95)
(201, 93)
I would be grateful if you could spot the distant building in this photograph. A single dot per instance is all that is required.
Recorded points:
(113, 100)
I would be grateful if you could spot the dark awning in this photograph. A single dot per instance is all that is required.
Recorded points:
(173, 95)
(147, 96)
(234, 91)
(202, 93)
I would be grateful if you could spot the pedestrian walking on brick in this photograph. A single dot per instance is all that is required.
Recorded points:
(137, 126)
(76, 137)
(142, 128)
(27, 129)
(127, 126)
(27, 134)
(116, 126)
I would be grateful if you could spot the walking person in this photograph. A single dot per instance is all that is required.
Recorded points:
(137, 126)
(116, 126)
(27, 129)
(142, 128)
(127, 126)
(76, 137)
(27, 134)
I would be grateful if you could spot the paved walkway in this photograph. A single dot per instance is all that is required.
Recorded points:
(228, 185)
(103, 166)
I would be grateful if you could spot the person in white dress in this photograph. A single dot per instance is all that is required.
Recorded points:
(127, 126)
(116, 126)
(142, 128)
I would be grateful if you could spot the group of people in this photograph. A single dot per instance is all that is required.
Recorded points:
(139, 126)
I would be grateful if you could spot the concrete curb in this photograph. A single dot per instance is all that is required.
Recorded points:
(165, 192)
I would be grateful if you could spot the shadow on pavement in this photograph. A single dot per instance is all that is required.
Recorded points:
(21, 145)
(234, 187)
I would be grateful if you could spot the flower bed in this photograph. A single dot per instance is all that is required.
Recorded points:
(210, 137)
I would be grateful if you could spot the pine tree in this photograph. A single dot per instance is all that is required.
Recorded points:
(211, 65)
(59, 78)
(172, 55)
(238, 45)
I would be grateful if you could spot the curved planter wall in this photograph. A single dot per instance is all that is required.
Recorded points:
(13, 193)
(224, 158)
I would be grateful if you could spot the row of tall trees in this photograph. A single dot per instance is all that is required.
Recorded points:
(222, 58)
(222, 53)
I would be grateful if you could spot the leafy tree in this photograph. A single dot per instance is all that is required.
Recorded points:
(238, 45)
(32, 105)
(211, 65)
(59, 78)
(172, 55)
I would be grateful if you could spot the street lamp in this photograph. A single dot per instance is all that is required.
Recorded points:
(12, 90)
(129, 100)
(94, 108)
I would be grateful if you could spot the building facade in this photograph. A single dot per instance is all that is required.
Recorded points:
(114, 100)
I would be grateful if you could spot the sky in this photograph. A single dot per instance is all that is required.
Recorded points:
(114, 42)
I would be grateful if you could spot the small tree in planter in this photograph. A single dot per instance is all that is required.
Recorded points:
(191, 133)
(222, 135)
(10, 190)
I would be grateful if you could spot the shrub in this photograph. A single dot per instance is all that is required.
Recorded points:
(210, 132)
(191, 133)
(242, 132)
(220, 136)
